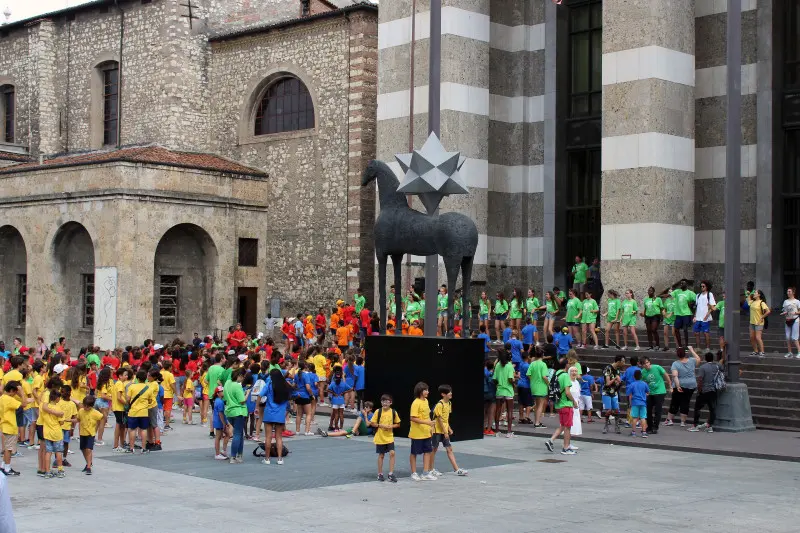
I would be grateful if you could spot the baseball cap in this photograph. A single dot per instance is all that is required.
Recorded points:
(242, 357)
(59, 368)
(219, 389)
(339, 302)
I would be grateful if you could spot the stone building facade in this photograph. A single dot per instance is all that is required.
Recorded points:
(597, 128)
(129, 152)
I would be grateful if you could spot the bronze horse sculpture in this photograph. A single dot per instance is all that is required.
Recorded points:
(401, 230)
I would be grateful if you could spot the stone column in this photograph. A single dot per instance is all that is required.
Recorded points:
(465, 101)
(647, 233)
(43, 71)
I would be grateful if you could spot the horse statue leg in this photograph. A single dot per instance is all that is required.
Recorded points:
(466, 280)
(382, 258)
(397, 263)
(451, 265)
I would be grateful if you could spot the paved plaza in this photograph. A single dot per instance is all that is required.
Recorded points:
(329, 484)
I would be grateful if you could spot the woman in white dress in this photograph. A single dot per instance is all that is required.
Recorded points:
(575, 389)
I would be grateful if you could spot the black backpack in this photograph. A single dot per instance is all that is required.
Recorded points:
(380, 412)
(261, 450)
(554, 390)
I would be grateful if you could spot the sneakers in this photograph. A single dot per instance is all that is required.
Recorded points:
(280, 462)
(392, 478)
(49, 475)
(88, 471)
(428, 477)
(683, 424)
(510, 435)
(549, 445)
(415, 477)
(789, 355)
(669, 423)
(573, 447)
(633, 433)
(462, 472)
(709, 429)
(321, 432)
(10, 472)
(117, 449)
(380, 477)
(61, 474)
(220, 457)
(762, 355)
(265, 461)
(488, 432)
(539, 426)
(636, 349)
(232, 461)
(64, 462)
(596, 346)
(567, 451)
(309, 434)
(605, 427)
(624, 348)
(436, 473)
(99, 443)
(17, 454)
(644, 434)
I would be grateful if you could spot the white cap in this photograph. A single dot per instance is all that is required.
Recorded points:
(231, 352)
(59, 368)
(242, 357)
(157, 347)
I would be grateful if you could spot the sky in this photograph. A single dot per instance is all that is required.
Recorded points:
(23, 9)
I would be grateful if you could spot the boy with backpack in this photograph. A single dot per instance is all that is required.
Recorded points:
(564, 403)
(489, 398)
(385, 420)
(442, 431)
(711, 380)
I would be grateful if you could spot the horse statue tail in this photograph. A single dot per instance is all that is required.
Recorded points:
(387, 184)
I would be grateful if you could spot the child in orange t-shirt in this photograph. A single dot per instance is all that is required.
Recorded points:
(343, 335)
(334, 320)
(415, 329)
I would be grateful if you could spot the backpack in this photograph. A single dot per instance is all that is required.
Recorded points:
(257, 387)
(380, 412)
(261, 450)
(719, 381)
(489, 387)
(554, 390)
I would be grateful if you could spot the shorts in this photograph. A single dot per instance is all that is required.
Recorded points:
(333, 331)
(138, 422)
(119, 416)
(701, 327)
(20, 414)
(320, 331)
(611, 402)
(650, 319)
(302, 401)
(535, 317)
(683, 321)
(483, 317)
(337, 407)
(421, 446)
(440, 438)
(205, 397)
(503, 398)
(585, 403)
(9, 442)
(87, 442)
(548, 316)
(501, 316)
(384, 448)
(525, 397)
(793, 331)
(629, 322)
(189, 403)
(40, 433)
(54, 446)
(639, 411)
(575, 324)
(669, 322)
(322, 379)
(67, 436)
(152, 415)
(565, 417)
(756, 327)
(100, 403)
(526, 347)
(442, 314)
(168, 404)
(30, 416)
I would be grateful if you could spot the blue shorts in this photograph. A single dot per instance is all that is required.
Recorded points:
(100, 403)
(639, 411)
(384, 448)
(54, 446)
(501, 316)
(138, 422)
(483, 317)
(66, 436)
(611, 402)
(421, 446)
(576, 324)
(535, 317)
(86, 442)
(683, 321)
(701, 327)
(20, 415)
(31, 415)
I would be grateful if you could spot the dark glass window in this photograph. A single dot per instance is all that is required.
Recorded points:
(285, 106)
(8, 96)
(168, 302)
(791, 40)
(248, 252)
(790, 172)
(110, 73)
(88, 300)
(583, 130)
(22, 298)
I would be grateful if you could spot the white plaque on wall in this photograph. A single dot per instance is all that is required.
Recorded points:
(105, 307)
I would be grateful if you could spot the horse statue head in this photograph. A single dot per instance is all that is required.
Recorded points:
(387, 184)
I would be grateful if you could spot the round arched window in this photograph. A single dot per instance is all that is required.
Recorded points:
(285, 106)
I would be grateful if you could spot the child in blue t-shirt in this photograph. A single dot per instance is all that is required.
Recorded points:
(563, 341)
(524, 390)
(515, 347)
(486, 339)
(527, 334)
(638, 391)
(250, 402)
(360, 384)
(336, 389)
(585, 401)
(220, 424)
(507, 332)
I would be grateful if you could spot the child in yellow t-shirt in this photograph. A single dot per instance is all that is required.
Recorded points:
(89, 420)
(385, 420)
(188, 399)
(442, 431)
(420, 433)
(53, 435)
(70, 410)
(10, 401)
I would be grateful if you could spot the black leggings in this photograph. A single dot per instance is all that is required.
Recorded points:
(653, 322)
(359, 399)
(655, 403)
(706, 399)
(680, 401)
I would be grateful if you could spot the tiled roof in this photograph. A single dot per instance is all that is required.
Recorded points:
(142, 154)
(10, 156)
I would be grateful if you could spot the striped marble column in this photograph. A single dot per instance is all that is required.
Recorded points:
(465, 102)
(648, 158)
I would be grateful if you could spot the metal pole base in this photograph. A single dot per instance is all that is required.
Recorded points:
(733, 409)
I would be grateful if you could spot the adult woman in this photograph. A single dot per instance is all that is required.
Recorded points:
(613, 317)
(504, 376)
(103, 400)
(484, 308)
(532, 311)
(236, 412)
(588, 316)
(759, 310)
(516, 307)
(684, 384)
(413, 309)
(573, 317)
(500, 313)
(629, 310)
(551, 310)
(275, 399)
(652, 312)
(791, 309)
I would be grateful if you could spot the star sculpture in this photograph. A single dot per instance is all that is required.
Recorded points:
(432, 173)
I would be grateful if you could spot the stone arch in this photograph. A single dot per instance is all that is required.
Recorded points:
(13, 283)
(185, 263)
(73, 262)
(256, 88)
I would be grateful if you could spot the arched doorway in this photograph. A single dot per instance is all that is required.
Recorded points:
(73, 261)
(13, 284)
(183, 283)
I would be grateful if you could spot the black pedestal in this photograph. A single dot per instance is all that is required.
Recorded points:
(395, 364)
